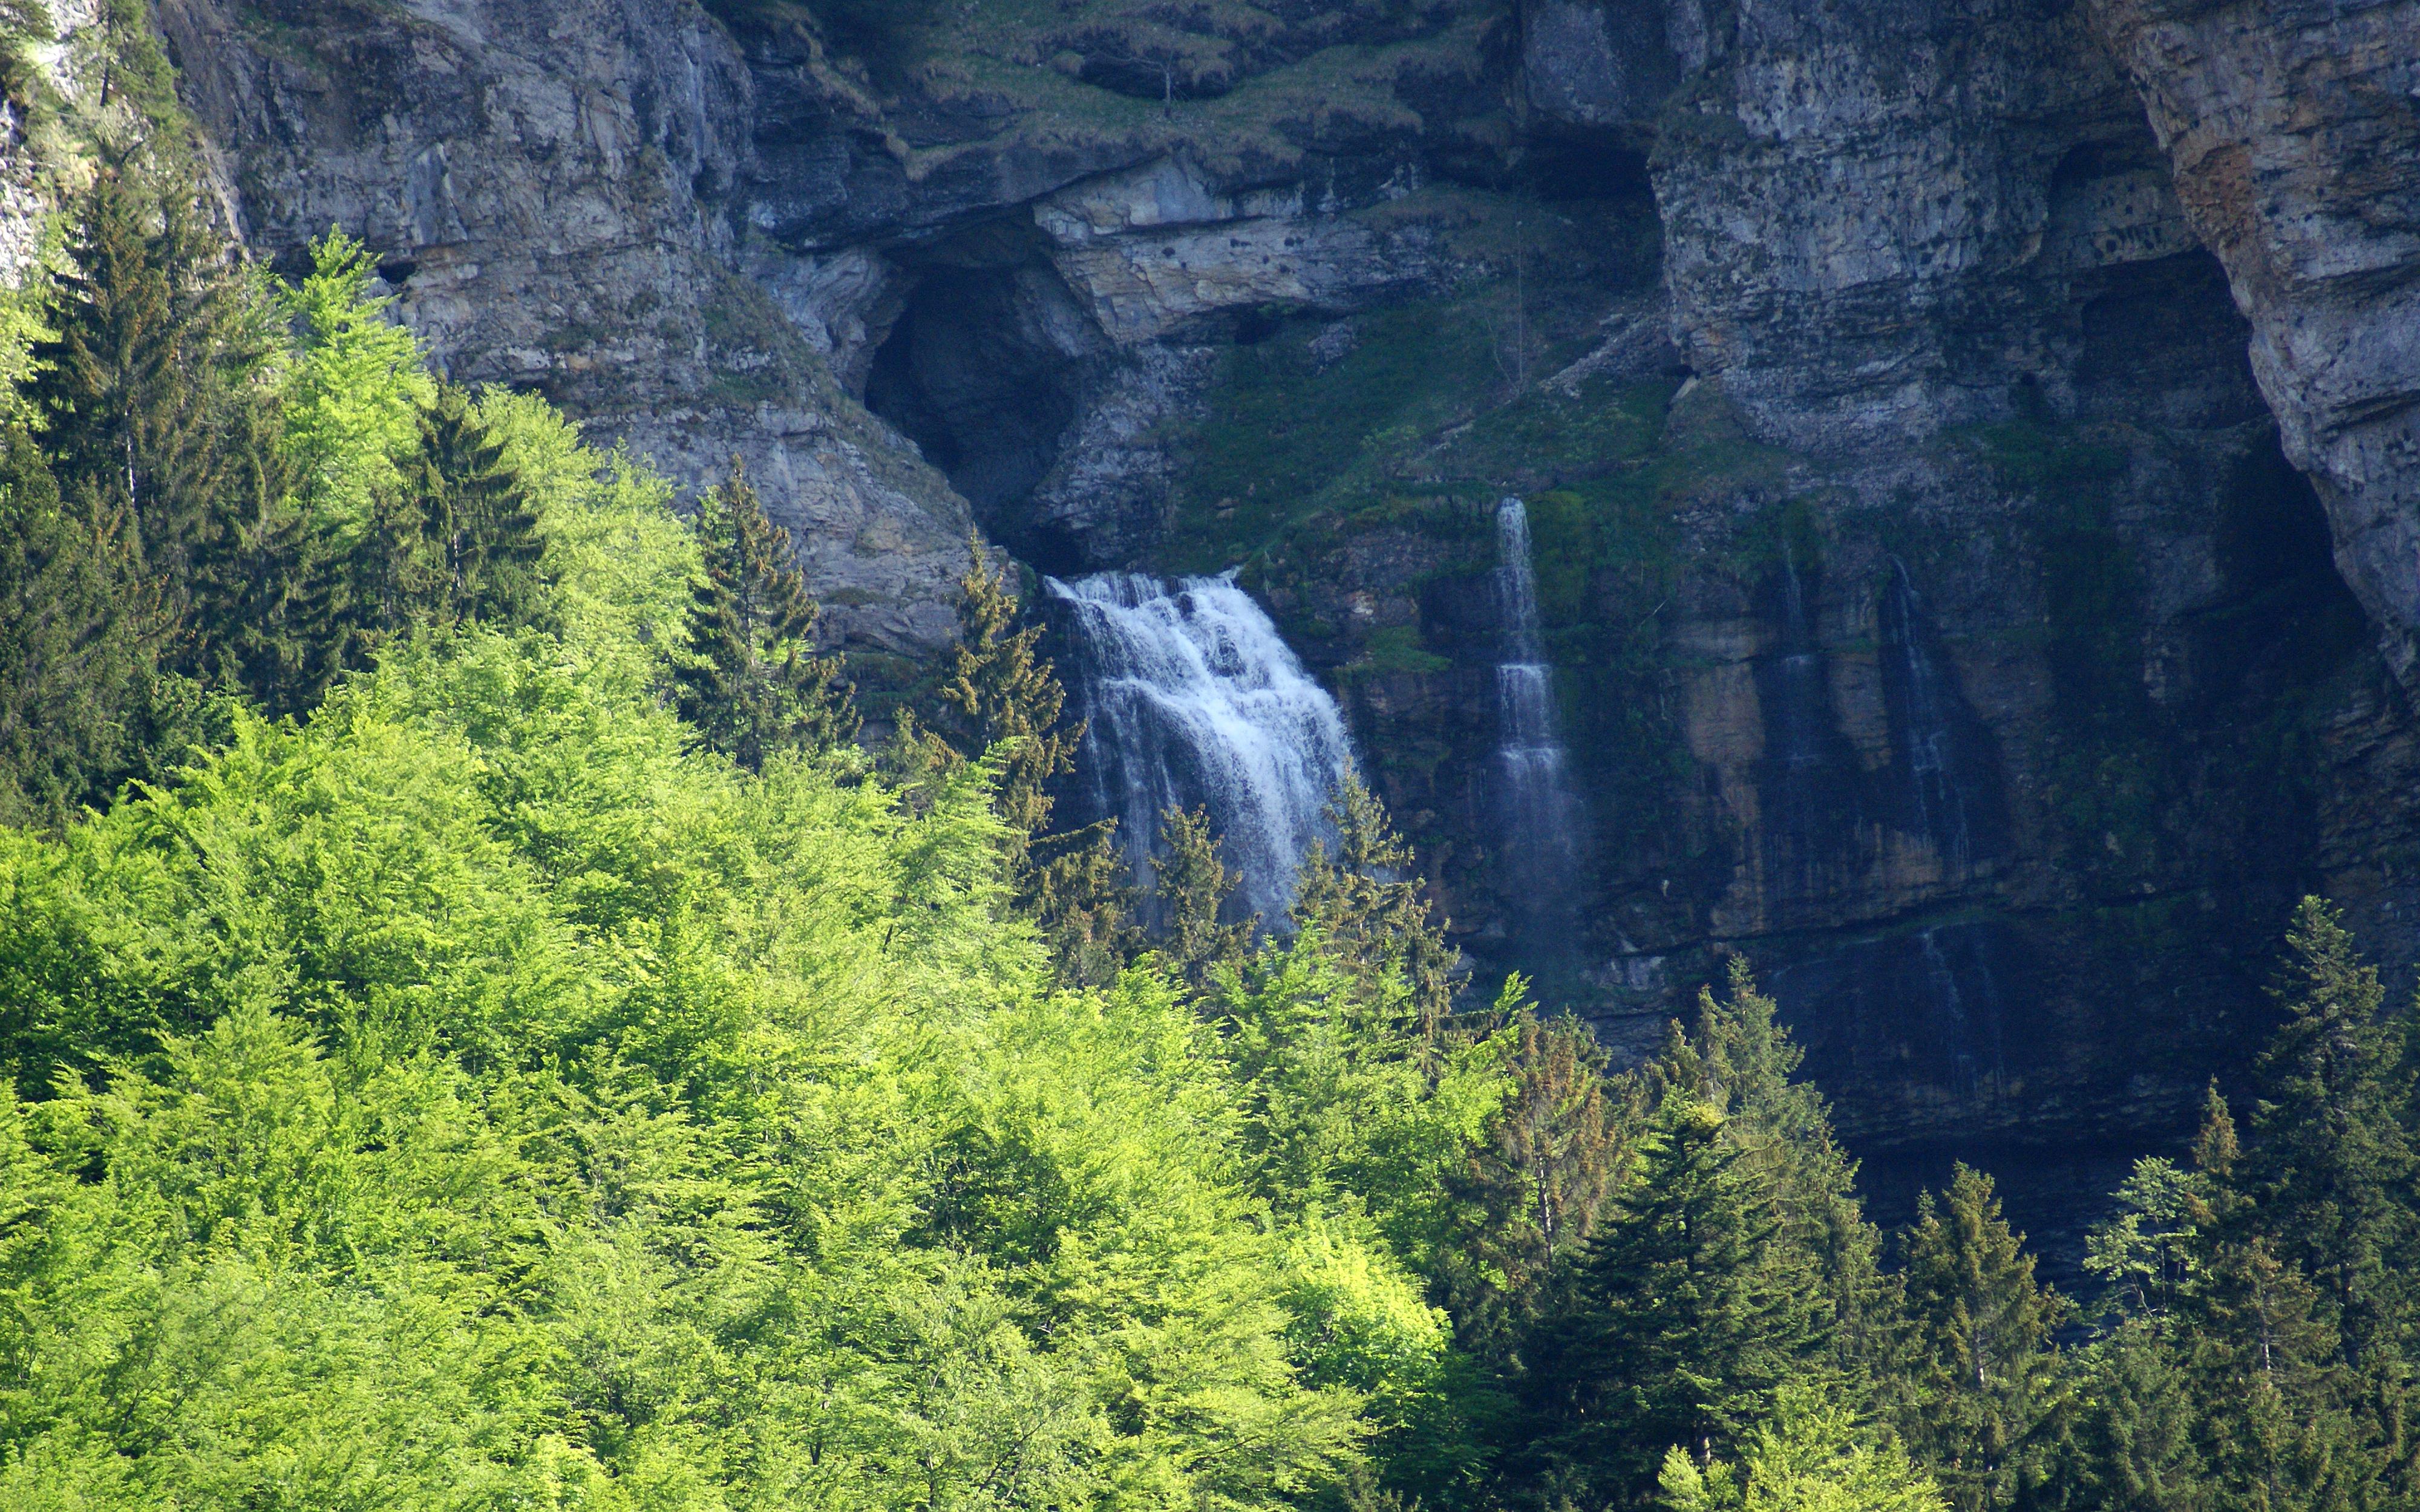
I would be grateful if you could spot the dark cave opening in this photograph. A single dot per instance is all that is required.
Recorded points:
(985, 370)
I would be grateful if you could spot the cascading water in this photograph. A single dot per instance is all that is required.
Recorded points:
(1544, 828)
(1194, 699)
(1947, 772)
(1810, 786)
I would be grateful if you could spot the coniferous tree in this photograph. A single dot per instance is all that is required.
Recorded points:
(1981, 1359)
(1193, 893)
(1364, 902)
(126, 421)
(474, 518)
(1533, 1192)
(150, 400)
(1737, 1055)
(1000, 691)
(2329, 1176)
(80, 635)
(1002, 695)
(752, 688)
(1692, 1307)
(1086, 905)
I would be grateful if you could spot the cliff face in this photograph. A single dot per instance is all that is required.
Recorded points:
(1969, 443)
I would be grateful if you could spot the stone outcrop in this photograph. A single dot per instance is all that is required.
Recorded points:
(551, 191)
(2294, 132)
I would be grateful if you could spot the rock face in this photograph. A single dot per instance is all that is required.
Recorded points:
(552, 189)
(2294, 132)
(1970, 444)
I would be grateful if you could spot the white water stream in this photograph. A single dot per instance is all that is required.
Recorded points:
(1194, 697)
(1543, 825)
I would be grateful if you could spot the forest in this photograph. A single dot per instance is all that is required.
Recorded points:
(489, 1022)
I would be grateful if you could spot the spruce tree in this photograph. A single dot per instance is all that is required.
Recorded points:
(1691, 1309)
(752, 688)
(1737, 1055)
(1000, 691)
(1983, 1365)
(1533, 1192)
(2329, 1172)
(1371, 910)
(475, 519)
(80, 632)
(1001, 694)
(1086, 904)
(1193, 892)
(151, 402)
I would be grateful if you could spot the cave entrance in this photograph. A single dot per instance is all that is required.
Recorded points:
(985, 370)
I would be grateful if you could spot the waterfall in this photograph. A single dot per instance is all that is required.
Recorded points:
(1947, 773)
(1194, 699)
(1543, 825)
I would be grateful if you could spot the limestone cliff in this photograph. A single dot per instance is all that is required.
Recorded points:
(1970, 442)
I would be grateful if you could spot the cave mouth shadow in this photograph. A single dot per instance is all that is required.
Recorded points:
(987, 369)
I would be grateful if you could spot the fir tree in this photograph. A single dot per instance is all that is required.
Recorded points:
(1737, 1055)
(474, 518)
(1692, 1308)
(1370, 911)
(148, 402)
(1532, 1193)
(80, 637)
(1002, 695)
(1194, 888)
(1000, 691)
(1982, 1361)
(1086, 905)
(2329, 1173)
(752, 688)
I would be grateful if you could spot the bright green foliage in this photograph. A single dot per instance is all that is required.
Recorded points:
(1982, 1365)
(752, 686)
(354, 391)
(2147, 1252)
(529, 1109)
(1692, 1308)
(1811, 1455)
(621, 564)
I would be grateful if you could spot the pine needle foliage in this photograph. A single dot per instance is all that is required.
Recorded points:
(1691, 1309)
(753, 686)
(1983, 1366)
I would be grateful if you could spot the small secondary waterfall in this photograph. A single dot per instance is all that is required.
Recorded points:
(1946, 771)
(1193, 698)
(1543, 825)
